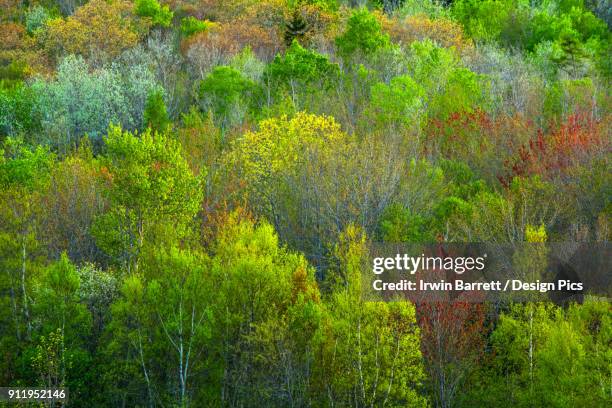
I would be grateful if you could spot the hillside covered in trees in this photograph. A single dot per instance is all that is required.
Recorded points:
(189, 190)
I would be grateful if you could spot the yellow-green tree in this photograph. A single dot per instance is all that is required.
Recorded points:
(370, 353)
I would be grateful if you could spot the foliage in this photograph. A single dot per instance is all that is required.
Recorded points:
(73, 199)
(492, 19)
(453, 335)
(36, 18)
(567, 144)
(159, 15)
(80, 101)
(175, 296)
(554, 373)
(443, 31)
(218, 45)
(295, 28)
(191, 25)
(19, 113)
(371, 349)
(269, 310)
(155, 115)
(569, 26)
(226, 93)
(99, 29)
(397, 105)
(191, 191)
(398, 224)
(363, 35)
(150, 187)
(300, 71)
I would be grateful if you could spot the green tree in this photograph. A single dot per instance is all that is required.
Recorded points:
(61, 358)
(370, 351)
(73, 198)
(191, 25)
(81, 100)
(397, 106)
(36, 17)
(18, 110)
(228, 95)
(159, 15)
(164, 317)
(301, 72)
(398, 224)
(24, 173)
(58, 303)
(153, 194)
(155, 114)
(492, 20)
(448, 86)
(295, 28)
(269, 310)
(363, 36)
(542, 357)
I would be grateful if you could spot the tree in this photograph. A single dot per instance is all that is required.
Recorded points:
(431, 65)
(98, 31)
(81, 101)
(155, 114)
(18, 110)
(503, 218)
(219, 44)
(465, 92)
(398, 224)
(491, 20)
(419, 27)
(191, 25)
(201, 142)
(268, 308)
(153, 196)
(98, 289)
(73, 198)
(312, 180)
(280, 167)
(24, 172)
(576, 140)
(36, 18)
(166, 311)
(363, 36)
(163, 56)
(449, 87)
(370, 349)
(159, 15)
(178, 296)
(228, 95)
(295, 28)
(541, 355)
(397, 106)
(64, 326)
(57, 302)
(476, 139)
(452, 337)
(300, 72)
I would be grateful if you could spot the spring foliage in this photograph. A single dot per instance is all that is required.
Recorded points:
(189, 191)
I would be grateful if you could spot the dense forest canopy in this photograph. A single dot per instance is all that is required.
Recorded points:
(189, 188)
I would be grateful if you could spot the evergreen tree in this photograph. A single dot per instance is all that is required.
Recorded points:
(295, 28)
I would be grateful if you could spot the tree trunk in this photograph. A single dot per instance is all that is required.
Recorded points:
(26, 310)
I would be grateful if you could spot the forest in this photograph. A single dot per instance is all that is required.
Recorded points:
(189, 192)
